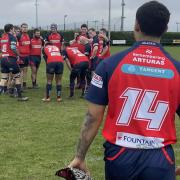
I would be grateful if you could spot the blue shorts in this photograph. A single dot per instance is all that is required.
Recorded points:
(139, 164)
(35, 61)
(25, 61)
(55, 68)
(9, 64)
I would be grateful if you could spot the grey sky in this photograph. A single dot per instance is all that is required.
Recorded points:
(18, 11)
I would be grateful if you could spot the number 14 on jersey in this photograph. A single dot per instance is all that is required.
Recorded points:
(138, 105)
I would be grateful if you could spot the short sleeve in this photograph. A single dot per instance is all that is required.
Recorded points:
(98, 90)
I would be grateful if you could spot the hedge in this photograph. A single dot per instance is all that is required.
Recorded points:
(167, 38)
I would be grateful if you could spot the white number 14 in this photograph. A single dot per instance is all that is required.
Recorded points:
(142, 108)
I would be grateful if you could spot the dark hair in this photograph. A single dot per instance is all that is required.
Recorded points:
(16, 27)
(91, 29)
(24, 24)
(84, 26)
(8, 27)
(36, 30)
(153, 18)
(53, 25)
(104, 30)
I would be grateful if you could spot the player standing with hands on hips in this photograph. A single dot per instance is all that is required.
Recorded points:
(141, 88)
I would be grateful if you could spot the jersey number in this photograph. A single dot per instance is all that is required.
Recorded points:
(142, 108)
(4, 48)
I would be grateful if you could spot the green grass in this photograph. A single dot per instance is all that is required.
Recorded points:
(37, 138)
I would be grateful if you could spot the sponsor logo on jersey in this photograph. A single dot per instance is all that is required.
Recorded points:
(138, 141)
(36, 46)
(26, 42)
(148, 51)
(148, 58)
(148, 71)
(97, 81)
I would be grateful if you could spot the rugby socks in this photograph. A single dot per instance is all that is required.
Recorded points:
(33, 83)
(5, 89)
(72, 89)
(48, 90)
(18, 87)
(11, 91)
(58, 90)
(1, 89)
(83, 84)
(24, 84)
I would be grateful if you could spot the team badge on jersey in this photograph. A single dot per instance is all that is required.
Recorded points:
(97, 81)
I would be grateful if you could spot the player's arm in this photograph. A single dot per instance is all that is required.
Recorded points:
(105, 49)
(44, 54)
(98, 99)
(74, 40)
(46, 38)
(65, 57)
(94, 52)
(68, 63)
(89, 130)
(87, 50)
(95, 48)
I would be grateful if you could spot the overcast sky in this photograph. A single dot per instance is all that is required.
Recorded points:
(78, 11)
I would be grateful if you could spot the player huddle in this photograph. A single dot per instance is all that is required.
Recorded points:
(20, 51)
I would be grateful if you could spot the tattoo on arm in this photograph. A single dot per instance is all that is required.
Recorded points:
(86, 136)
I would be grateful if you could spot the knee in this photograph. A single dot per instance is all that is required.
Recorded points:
(17, 78)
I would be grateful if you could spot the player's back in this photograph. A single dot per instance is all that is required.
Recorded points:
(143, 96)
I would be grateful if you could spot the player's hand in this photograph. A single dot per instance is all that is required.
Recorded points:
(79, 164)
(178, 171)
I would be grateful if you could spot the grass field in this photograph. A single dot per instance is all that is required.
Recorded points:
(37, 138)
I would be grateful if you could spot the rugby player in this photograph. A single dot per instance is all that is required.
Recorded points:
(77, 36)
(35, 56)
(94, 48)
(24, 52)
(55, 37)
(85, 42)
(104, 43)
(78, 64)
(142, 99)
(9, 61)
(54, 67)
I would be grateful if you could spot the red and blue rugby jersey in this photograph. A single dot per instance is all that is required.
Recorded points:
(36, 46)
(75, 56)
(56, 39)
(7, 41)
(141, 87)
(53, 54)
(24, 44)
